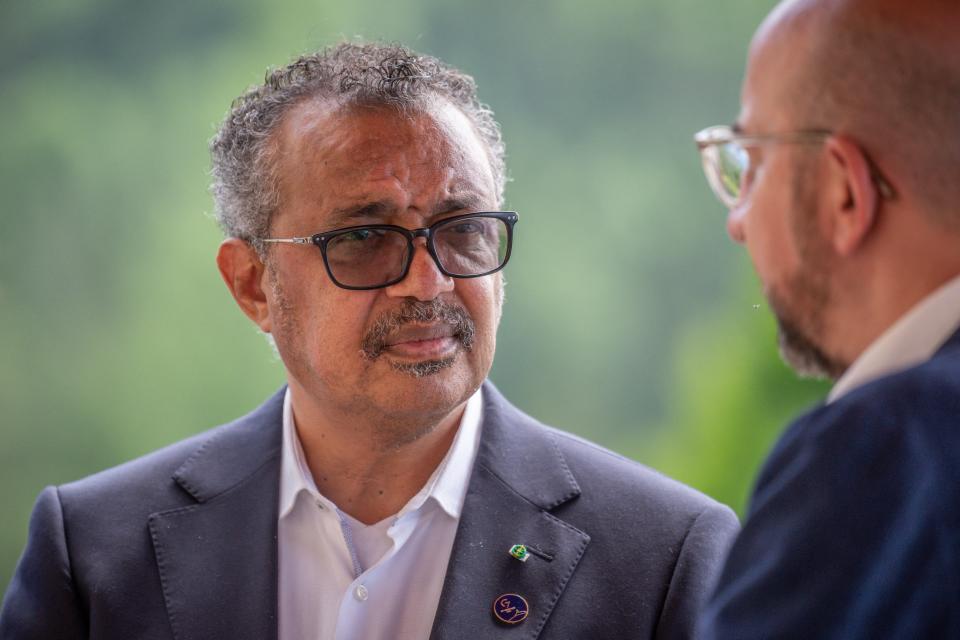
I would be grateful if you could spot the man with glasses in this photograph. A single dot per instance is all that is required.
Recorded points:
(388, 491)
(841, 179)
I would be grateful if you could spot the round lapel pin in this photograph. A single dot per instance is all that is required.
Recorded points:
(511, 608)
(520, 552)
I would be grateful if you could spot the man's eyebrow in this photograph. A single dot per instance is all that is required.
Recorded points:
(339, 217)
(466, 203)
(362, 213)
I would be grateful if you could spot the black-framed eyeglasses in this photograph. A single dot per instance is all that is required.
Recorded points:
(379, 255)
(726, 161)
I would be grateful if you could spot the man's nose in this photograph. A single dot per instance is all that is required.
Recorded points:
(735, 228)
(424, 279)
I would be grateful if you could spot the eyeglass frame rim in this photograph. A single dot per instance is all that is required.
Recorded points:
(704, 139)
(321, 239)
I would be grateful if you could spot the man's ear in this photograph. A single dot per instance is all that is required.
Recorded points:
(853, 196)
(243, 271)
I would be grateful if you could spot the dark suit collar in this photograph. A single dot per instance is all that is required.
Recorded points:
(234, 451)
(218, 557)
(520, 476)
(513, 446)
(523, 453)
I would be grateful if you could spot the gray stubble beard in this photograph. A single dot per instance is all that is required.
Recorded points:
(810, 288)
(425, 368)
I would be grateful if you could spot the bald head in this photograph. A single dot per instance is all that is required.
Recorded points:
(884, 72)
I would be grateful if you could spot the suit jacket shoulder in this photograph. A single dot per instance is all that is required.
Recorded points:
(150, 548)
(609, 474)
(678, 536)
(853, 529)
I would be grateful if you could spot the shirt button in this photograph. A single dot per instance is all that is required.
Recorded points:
(320, 504)
(361, 592)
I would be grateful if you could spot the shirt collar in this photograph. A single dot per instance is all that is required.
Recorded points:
(447, 484)
(295, 476)
(912, 339)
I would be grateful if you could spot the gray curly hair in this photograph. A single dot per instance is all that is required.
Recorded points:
(244, 177)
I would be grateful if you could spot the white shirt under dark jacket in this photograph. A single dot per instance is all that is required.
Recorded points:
(340, 579)
(912, 339)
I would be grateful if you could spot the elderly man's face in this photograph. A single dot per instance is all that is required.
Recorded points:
(776, 219)
(342, 167)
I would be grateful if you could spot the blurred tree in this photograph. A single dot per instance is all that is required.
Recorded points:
(730, 398)
(625, 320)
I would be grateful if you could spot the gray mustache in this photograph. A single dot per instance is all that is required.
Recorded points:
(464, 330)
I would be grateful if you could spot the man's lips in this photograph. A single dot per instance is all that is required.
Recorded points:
(419, 341)
(433, 330)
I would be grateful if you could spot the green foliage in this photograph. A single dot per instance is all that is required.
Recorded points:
(730, 398)
(625, 319)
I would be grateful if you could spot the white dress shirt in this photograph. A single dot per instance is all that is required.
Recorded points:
(340, 579)
(909, 341)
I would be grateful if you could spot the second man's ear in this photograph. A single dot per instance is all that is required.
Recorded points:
(852, 197)
(245, 276)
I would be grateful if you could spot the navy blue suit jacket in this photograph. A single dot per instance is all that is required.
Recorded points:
(854, 527)
(183, 542)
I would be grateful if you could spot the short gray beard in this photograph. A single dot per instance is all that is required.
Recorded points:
(800, 353)
(424, 369)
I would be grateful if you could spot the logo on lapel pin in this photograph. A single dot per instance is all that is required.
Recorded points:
(511, 608)
(520, 552)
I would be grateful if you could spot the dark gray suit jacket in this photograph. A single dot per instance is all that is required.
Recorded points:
(183, 542)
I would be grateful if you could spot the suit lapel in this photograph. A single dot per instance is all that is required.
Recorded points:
(218, 557)
(518, 478)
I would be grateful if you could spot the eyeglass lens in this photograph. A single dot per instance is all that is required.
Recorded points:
(725, 165)
(369, 257)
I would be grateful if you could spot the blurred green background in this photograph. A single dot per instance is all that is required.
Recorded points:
(630, 317)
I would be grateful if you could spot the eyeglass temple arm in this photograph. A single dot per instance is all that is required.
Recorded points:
(298, 240)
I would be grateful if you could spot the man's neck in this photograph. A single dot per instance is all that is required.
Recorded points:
(912, 339)
(366, 473)
(875, 301)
